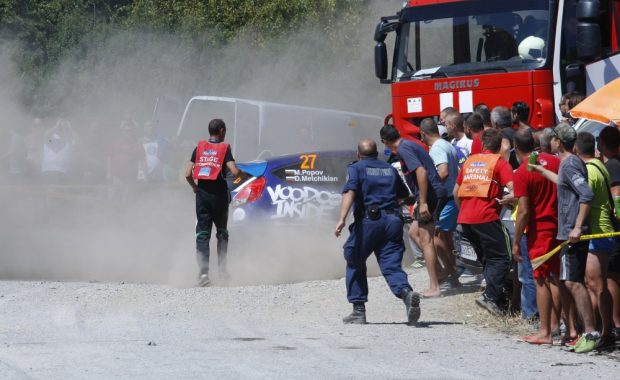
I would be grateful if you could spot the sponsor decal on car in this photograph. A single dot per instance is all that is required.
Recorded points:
(303, 202)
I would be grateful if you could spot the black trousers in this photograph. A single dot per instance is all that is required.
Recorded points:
(492, 242)
(211, 209)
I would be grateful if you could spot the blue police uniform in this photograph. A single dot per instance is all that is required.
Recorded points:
(377, 185)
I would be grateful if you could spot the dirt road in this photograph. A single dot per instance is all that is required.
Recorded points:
(102, 330)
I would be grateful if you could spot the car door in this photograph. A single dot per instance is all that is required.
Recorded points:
(308, 186)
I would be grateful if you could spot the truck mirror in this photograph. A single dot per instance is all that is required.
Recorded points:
(387, 25)
(588, 10)
(588, 41)
(381, 61)
(384, 27)
(589, 45)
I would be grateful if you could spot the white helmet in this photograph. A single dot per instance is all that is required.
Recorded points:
(532, 48)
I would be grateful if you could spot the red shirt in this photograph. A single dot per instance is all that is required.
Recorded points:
(542, 194)
(485, 210)
(476, 145)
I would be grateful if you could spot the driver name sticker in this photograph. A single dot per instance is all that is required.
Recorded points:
(414, 105)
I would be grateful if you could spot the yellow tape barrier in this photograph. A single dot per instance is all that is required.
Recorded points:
(540, 260)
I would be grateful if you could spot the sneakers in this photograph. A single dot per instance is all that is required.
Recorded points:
(358, 316)
(203, 281)
(412, 306)
(450, 282)
(586, 343)
(616, 333)
(488, 305)
(606, 343)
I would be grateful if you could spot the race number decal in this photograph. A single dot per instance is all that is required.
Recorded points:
(307, 161)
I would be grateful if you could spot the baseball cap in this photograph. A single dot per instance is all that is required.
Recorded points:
(565, 133)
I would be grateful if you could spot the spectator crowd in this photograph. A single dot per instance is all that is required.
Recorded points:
(489, 170)
(55, 152)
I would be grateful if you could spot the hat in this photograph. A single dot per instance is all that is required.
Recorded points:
(565, 133)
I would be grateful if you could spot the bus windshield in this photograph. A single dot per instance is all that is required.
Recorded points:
(468, 37)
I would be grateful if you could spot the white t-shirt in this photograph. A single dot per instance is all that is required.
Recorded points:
(57, 154)
(464, 143)
(151, 152)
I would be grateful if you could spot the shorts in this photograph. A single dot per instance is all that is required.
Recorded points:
(573, 262)
(538, 244)
(448, 216)
(605, 245)
(435, 205)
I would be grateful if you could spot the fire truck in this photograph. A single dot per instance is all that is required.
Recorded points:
(464, 53)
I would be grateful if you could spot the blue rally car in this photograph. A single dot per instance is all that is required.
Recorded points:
(297, 189)
(298, 192)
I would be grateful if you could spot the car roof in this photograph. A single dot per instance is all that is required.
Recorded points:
(594, 127)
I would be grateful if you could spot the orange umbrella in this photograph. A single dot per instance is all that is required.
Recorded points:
(602, 106)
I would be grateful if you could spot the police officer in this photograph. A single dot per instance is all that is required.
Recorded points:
(208, 165)
(372, 188)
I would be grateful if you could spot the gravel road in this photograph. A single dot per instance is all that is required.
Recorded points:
(71, 330)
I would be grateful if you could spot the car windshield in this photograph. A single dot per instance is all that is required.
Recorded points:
(471, 37)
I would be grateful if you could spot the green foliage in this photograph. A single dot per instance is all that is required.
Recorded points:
(46, 30)
(49, 31)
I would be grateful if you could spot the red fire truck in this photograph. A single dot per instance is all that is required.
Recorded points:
(461, 53)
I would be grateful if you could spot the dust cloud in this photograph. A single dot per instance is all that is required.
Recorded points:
(90, 217)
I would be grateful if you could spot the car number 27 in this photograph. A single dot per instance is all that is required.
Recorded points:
(307, 161)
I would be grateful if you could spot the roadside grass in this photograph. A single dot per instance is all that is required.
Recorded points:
(465, 308)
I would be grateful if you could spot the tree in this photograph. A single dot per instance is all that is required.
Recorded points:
(47, 32)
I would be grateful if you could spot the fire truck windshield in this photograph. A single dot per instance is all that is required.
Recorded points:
(466, 37)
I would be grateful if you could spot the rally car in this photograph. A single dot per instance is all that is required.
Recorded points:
(297, 191)
(292, 189)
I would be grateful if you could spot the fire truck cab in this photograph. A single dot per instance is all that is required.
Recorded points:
(461, 53)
